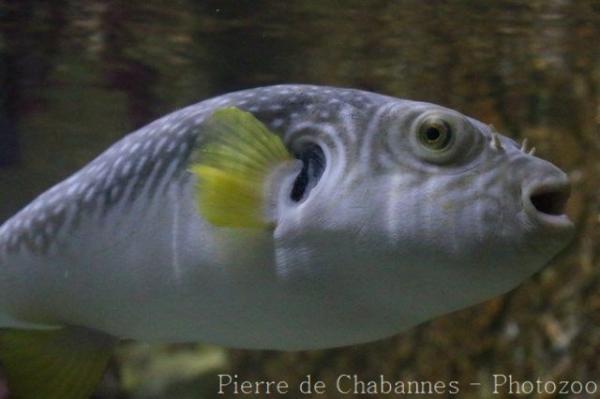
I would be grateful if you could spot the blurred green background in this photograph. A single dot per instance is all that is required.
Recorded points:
(77, 75)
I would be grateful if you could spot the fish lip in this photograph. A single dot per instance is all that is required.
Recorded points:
(560, 188)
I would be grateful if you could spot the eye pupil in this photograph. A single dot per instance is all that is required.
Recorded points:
(435, 135)
(432, 134)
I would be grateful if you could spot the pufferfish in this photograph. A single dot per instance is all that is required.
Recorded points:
(287, 217)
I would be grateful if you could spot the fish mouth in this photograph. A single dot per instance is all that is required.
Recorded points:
(546, 203)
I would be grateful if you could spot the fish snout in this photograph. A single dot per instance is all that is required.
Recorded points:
(545, 201)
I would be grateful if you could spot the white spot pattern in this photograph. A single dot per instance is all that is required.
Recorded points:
(129, 169)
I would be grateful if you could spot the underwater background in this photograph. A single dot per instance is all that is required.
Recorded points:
(75, 76)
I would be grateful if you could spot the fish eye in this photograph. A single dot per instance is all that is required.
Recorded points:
(435, 134)
(443, 137)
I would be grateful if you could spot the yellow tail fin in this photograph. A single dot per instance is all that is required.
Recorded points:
(57, 364)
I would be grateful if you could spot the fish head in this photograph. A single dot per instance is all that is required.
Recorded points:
(424, 199)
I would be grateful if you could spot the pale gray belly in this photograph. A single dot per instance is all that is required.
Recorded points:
(157, 272)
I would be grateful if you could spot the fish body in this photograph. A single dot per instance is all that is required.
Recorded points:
(370, 228)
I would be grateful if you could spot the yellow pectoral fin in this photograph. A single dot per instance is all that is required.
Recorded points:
(232, 165)
(56, 364)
